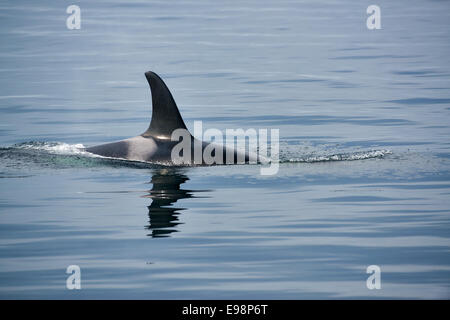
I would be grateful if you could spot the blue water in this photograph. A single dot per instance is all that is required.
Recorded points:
(364, 177)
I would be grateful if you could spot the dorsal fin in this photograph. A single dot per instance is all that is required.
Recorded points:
(165, 115)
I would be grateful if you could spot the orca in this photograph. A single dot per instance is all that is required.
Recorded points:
(156, 144)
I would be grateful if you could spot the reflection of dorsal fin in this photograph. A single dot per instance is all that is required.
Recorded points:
(165, 115)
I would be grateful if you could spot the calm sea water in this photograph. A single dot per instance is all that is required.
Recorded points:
(364, 177)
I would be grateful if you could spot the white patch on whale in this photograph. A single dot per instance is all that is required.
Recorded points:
(140, 148)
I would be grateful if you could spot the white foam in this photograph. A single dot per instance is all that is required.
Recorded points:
(362, 155)
(55, 147)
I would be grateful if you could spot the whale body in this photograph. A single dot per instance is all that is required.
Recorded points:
(155, 144)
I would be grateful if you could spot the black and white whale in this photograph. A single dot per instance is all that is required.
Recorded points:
(157, 143)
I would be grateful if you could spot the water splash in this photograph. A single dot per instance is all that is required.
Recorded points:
(352, 156)
(53, 147)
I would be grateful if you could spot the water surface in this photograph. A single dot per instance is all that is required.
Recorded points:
(364, 177)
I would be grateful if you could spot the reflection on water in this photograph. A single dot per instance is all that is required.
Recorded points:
(166, 190)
